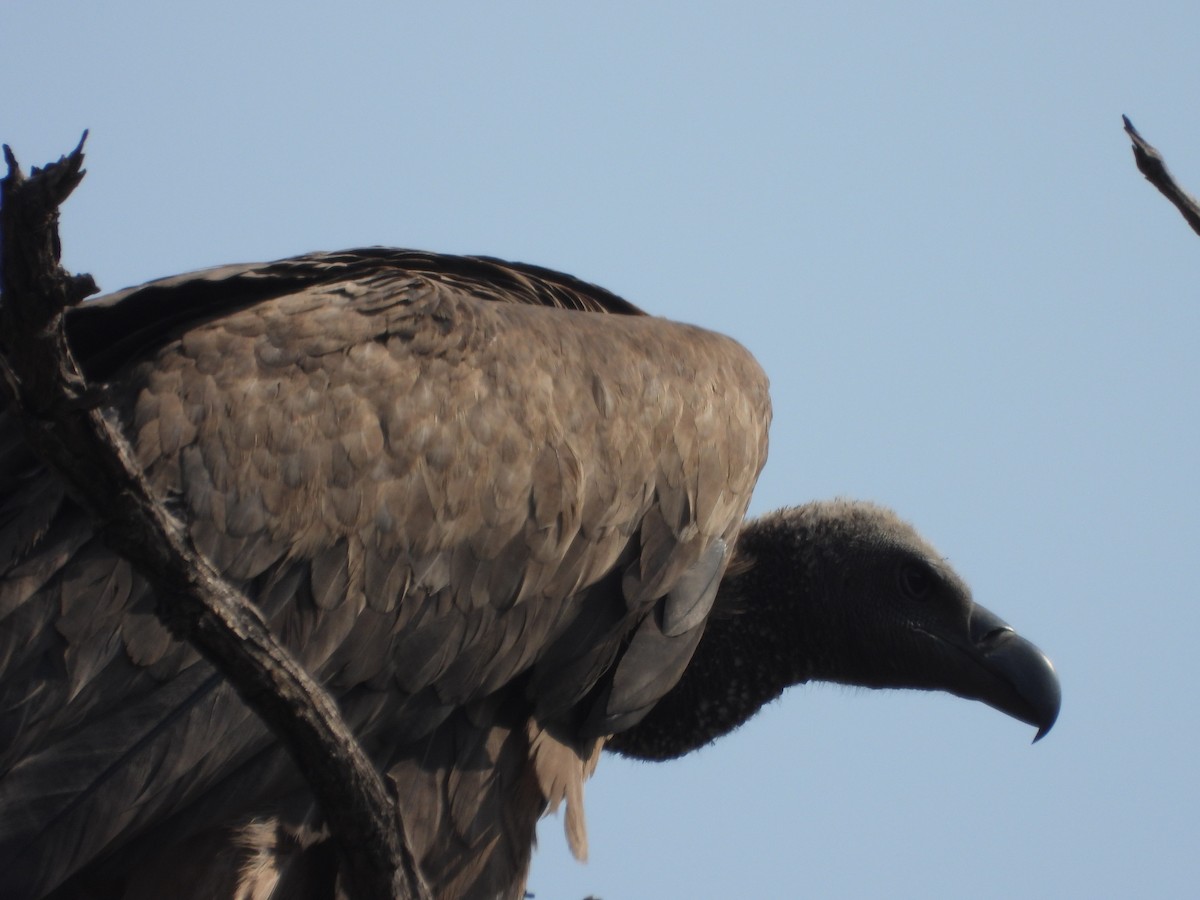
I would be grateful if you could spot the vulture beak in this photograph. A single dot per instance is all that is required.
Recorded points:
(1009, 673)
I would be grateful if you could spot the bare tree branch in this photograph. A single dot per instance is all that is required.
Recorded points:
(1150, 163)
(63, 423)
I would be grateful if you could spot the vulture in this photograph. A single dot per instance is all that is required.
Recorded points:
(498, 512)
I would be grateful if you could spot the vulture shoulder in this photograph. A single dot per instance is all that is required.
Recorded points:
(488, 505)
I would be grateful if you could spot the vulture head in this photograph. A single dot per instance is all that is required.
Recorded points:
(842, 592)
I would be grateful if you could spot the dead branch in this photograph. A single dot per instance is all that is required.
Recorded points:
(1150, 163)
(43, 387)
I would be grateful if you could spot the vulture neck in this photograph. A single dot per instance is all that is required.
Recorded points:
(775, 623)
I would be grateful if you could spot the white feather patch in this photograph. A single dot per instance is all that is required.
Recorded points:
(561, 770)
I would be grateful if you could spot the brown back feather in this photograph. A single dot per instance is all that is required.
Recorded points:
(452, 488)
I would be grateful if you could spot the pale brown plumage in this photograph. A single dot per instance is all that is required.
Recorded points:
(484, 525)
(493, 509)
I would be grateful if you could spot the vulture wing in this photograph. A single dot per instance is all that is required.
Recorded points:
(490, 517)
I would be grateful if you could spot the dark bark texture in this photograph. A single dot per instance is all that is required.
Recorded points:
(1150, 163)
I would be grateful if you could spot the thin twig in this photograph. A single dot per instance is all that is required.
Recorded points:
(1150, 163)
(44, 388)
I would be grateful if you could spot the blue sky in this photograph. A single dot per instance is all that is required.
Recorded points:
(923, 219)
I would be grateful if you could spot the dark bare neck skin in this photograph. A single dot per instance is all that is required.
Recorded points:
(744, 661)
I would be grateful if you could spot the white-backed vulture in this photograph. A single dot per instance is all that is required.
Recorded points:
(497, 511)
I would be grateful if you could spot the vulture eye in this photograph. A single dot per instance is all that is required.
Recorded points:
(916, 581)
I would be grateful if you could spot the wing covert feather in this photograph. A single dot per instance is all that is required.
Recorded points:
(430, 494)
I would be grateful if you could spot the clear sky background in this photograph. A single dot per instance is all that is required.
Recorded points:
(923, 219)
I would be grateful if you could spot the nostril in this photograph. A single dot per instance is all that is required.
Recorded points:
(995, 636)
